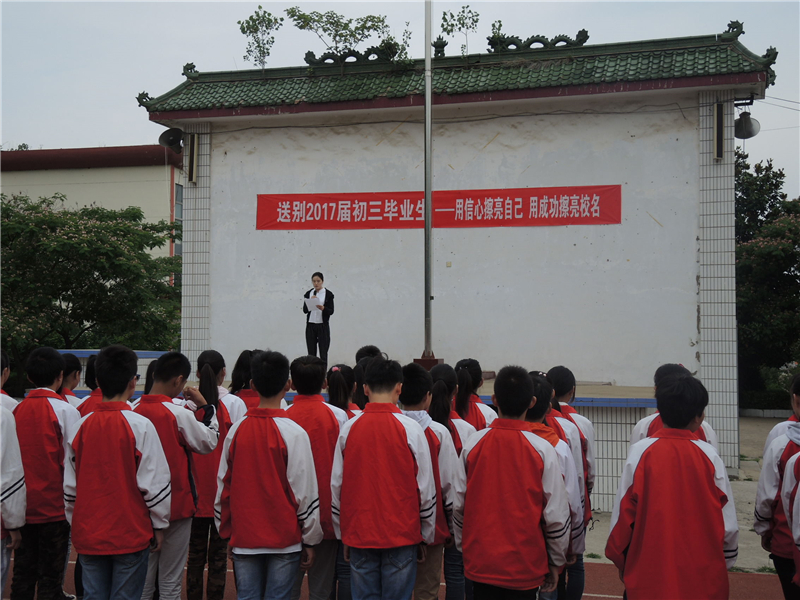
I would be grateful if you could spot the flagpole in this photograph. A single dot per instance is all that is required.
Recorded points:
(428, 353)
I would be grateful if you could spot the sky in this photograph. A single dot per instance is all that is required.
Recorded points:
(71, 71)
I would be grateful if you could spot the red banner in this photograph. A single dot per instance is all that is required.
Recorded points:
(517, 207)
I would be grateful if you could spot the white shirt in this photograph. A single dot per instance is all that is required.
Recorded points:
(316, 314)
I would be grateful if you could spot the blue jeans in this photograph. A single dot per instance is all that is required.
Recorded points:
(576, 577)
(265, 576)
(383, 573)
(570, 583)
(342, 586)
(114, 576)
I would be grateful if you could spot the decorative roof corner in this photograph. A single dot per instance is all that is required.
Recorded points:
(144, 99)
(511, 43)
(770, 57)
(190, 71)
(735, 29)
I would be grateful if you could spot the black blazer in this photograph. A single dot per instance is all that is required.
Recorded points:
(327, 310)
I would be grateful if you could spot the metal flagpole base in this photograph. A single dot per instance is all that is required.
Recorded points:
(428, 362)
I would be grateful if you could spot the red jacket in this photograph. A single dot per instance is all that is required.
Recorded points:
(180, 434)
(447, 472)
(206, 466)
(116, 485)
(770, 518)
(321, 422)
(673, 528)
(478, 414)
(267, 496)
(249, 397)
(511, 547)
(43, 420)
(12, 492)
(461, 431)
(91, 402)
(382, 490)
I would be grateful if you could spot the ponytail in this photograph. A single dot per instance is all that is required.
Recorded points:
(444, 386)
(340, 386)
(209, 365)
(240, 378)
(470, 375)
(88, 376)
(150, 376)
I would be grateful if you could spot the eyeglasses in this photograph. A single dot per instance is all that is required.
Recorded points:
(137, 377)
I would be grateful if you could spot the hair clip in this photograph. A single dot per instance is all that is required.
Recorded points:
(334, 369)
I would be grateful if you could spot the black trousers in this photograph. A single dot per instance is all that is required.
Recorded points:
(484, 591)
(39, 561)
(318, 333)
(785, 569)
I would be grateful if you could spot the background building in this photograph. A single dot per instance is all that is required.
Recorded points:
(149, 177)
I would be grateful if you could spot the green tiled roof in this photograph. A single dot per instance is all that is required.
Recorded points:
(703, 56)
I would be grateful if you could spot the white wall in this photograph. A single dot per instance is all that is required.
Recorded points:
(114, 188)
(612, 302)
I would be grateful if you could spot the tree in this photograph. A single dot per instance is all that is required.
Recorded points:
(767, 272)
(338, 33)
(759, 198)
(84, 278)
(259, 29)
(464, 22)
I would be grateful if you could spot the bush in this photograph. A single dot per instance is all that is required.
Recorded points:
(765, 400)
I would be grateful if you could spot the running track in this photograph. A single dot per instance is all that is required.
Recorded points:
(602, 581)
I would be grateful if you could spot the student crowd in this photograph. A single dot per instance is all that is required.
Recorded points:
(358, 496)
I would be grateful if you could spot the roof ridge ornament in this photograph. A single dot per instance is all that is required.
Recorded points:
(372, 55)
(735, 29)
(190, 71)
(143, 99)
(511, 43)
(438, 45)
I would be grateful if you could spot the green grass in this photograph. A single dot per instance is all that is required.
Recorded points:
(593, 555)
(737, 570)
(766, 569)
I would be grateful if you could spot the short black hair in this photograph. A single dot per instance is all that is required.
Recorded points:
(44, 366)
(669, 369)
(72, 364)
(308, 375)
(269, 371)
(114, 368)
(543, 392)
(368, 351)
(513, 391)
(417, 382)
(383, 374)
(562, 380)
(680, 398)
(317, 274)
(171, 365)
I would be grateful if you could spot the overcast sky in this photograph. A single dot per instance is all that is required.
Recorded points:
(71, 71)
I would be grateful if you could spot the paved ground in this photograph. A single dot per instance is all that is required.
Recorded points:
(602, 580)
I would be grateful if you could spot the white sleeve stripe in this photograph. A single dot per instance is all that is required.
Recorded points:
(314, 505)
(166, 490)
(13, 488)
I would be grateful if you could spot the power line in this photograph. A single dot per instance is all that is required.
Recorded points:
(783, 99)
(780, 106)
